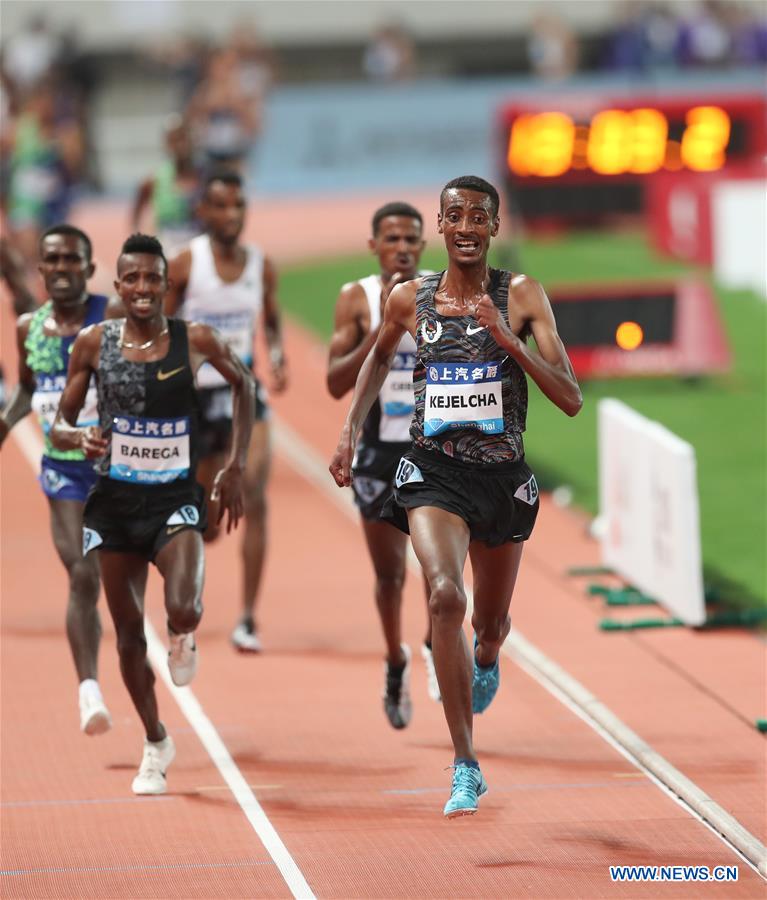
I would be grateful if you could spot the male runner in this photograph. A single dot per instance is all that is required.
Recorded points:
(230, 285)
(464, 487)
(44, 339)
(397, 243)
(173, 191)
(146, 505)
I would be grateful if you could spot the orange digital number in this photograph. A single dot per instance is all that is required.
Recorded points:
(610, 149)
(649, 135)
(541, 144)
(705, 138)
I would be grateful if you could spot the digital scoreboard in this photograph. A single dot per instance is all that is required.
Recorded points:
(582, 159)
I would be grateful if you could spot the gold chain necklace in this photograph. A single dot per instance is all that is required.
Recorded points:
(128, 345)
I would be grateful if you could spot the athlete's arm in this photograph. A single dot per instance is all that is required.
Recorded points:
(351, 341)
(179, 269)
(206, 345)
(19, 403)
(141, 201)
(273, 328)
(398, 317)
(83, 361)
(13, 271)
(550, 367)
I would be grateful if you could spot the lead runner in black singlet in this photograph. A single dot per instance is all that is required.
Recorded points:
(464, 487)
(147, 505)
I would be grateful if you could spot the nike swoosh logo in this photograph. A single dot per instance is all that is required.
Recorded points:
(161, 376)
(473, 329)
(174, 530)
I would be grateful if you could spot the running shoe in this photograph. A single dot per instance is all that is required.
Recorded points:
(245, 637)
(94, 716)
(468, 787)
(484, 684)
(154, 764)
(396, 698)
(182, 658)
(431, 674)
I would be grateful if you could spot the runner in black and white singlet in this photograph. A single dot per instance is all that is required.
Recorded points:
(464, 488)
(147, 505)
(44, 340)
(232, 286)
(397, 243)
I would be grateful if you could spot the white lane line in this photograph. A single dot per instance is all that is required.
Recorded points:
(570, 692)
(31, 446)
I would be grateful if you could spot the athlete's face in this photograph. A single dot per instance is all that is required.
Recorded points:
(65, 267)
(398, 244)
(142, 282)
(467, 222)
(223, 211)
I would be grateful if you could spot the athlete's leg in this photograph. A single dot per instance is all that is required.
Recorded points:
(124, 577)
(387, 546)
(207, 469)
(254, 535)
(181, 562)
(427, 593)
(441, 542)
(83, 624)
(495, 573)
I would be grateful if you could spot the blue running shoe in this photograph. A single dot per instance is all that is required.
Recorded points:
(468, 787)
(485, 684)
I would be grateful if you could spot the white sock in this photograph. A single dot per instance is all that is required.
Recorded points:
(90, 686)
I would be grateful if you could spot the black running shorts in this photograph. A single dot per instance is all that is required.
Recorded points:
(498, 502)
(139, 519)
(215, 430)
(373, 477)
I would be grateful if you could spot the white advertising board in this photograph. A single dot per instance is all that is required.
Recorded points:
(648, 498)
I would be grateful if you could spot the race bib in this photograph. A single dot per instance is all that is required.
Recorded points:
(236, 328)
(149, 451)
(462, 395)
(47, 396)
(397, 400)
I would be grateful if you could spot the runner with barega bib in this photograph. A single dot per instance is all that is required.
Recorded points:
(147, 505)
(464, 489)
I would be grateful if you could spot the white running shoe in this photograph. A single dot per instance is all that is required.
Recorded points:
(245, 638)
(182, 658)
(154, 764)
(431, 674)
(94, 716)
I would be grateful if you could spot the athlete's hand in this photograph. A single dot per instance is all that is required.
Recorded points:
(92, 442)
(229, 493)
(489, 316)
(279, 376)
(388, 286)
(341, 464)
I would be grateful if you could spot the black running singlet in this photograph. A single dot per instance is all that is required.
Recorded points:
(470, 395)
(148, 410)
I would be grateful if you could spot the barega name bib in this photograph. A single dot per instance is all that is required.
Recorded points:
(463, 395)
(149, 451)
(397, 400)
(47, 396)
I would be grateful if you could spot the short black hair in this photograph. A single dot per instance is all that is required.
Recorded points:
(71, 231)
(473, 183)
(143, 243)
(226, 176)
(396, 208)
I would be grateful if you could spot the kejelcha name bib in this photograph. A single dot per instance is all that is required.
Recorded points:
(463, 395)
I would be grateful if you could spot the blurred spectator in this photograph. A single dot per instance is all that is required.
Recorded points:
(390, 55)
(749, 33)
(172, 192)
(661, 30)
(704, 36)
(552, 48)
(224, 121)
(626, 45)
(30, 55)
(45, 162)
(255, 62)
